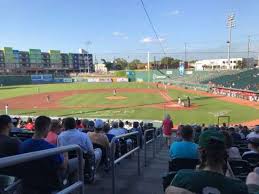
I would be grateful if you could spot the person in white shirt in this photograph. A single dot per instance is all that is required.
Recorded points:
(254, 133)
(253, 145)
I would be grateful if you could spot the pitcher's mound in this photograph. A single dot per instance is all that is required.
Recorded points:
(116, 97)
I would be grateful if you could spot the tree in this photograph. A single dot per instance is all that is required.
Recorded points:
(109, 65)
(170, 62)
(120, 63)
(134, 64)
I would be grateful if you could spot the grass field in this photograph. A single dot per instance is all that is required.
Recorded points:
(207, 111)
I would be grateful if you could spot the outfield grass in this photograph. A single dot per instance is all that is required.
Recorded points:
(132, 99)
(207, 111)
(21, 90)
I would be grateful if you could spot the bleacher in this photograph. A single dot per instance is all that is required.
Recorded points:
(141, 171)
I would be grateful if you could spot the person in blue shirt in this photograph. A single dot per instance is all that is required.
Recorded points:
(42, 175)
(185, 148)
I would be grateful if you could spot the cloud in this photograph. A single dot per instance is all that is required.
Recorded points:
(120, 35)
(151, 40)
(174, 13)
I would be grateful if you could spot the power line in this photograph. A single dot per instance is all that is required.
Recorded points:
(153, 27)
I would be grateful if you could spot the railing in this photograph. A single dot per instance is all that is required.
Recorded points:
(159, 139)
(114, 162)
(13, 160)
(148, 142)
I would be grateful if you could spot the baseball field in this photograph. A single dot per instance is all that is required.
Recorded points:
(124, 101)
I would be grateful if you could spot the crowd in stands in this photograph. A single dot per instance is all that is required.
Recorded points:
(94, 138)
(214, 159)
(203, 159)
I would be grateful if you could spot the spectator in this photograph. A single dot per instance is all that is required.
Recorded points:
(115, 129)
(235, 135)
(121, 128)
(15, 129)
(245, 131)
(136, 128)
(253, 145)
(8, 146)
(85, 123)
(252, 181)
(44, 167)
(91, 126)
(209, 178)
(29, 125)
(98, 137)
(106, 129)
(185, 148)
(254, 133)
(233, 152)
(197, 130)
(100, 140)
(167, 128)
(71, 135)
(55, 130)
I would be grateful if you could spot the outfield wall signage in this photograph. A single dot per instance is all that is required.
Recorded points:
(45, 78)
(122, 79)
(159, 76)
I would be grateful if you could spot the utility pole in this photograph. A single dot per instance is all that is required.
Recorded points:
(185, 54)
(230, 25)
(248, 46)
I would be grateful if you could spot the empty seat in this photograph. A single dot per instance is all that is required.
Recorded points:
(240, 168)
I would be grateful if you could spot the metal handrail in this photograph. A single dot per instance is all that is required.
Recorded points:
(114, 162)
(160, 137)
(148, 142)
(21, 158)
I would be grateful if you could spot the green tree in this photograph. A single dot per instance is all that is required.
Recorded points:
(109, 65)
(170, 62)
(120, 63)
(134, 64)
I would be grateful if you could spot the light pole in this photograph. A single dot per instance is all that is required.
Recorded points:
(230, 25)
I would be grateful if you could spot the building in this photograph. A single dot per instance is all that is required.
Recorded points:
(100, 68)
(36, 61)
(222, 64)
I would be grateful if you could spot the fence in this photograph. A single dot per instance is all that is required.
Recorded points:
(13, 160)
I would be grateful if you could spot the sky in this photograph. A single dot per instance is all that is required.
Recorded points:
(120, 27)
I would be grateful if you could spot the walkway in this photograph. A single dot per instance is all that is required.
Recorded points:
(128, 182)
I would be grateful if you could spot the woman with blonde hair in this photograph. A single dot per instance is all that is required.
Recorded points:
(167, 126)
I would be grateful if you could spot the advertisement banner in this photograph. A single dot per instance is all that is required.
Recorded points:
(122, 79)
(42, 78)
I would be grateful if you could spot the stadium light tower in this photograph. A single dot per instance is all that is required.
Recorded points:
(230, 25)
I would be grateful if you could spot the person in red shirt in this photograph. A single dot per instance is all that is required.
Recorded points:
(167, 128)
(55, 130)
(29, 126)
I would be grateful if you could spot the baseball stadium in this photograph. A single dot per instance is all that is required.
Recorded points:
(129, 97)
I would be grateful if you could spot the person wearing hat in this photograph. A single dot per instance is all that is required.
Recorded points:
(210, 175)
(98, 137)
(254, 133)
(253, 145)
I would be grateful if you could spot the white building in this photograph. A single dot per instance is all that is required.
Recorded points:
(235, 63)
(100, 68)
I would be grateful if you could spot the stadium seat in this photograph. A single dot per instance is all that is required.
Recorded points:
(240, 168)
(175, 165)
(182, 163)
(22, 135)
(252, 158)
